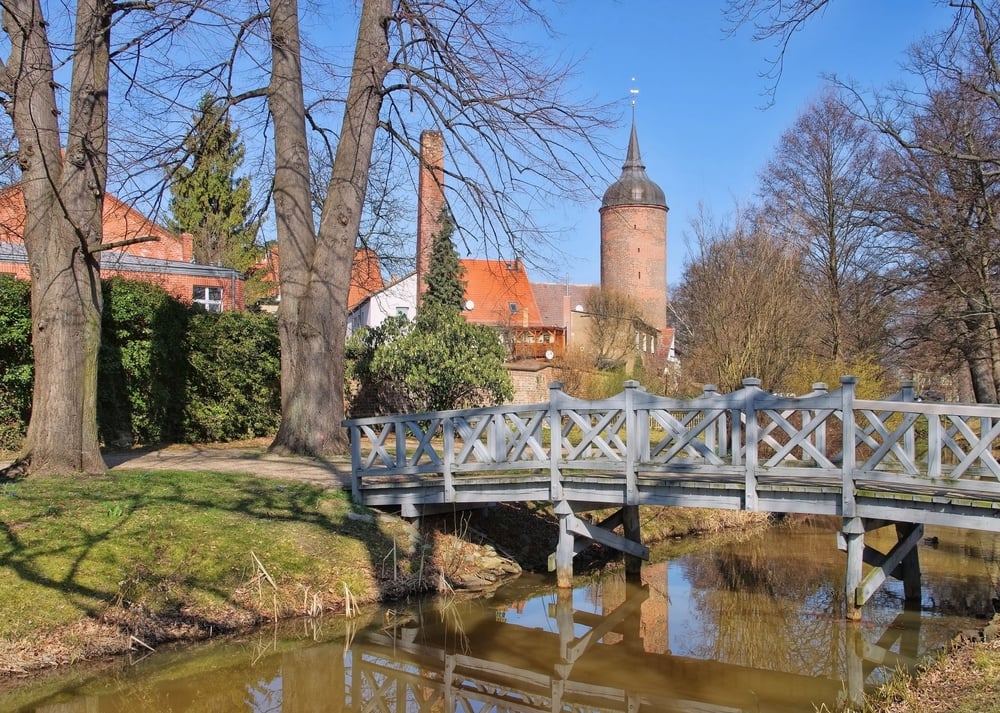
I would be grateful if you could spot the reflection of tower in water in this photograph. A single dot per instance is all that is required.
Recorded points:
(654, 620)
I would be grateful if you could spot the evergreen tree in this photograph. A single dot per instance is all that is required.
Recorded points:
(208, 200)
(445, 286)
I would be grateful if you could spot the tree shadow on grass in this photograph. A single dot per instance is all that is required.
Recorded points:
(164, 558)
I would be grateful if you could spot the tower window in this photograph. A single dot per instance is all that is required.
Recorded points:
(513, 307)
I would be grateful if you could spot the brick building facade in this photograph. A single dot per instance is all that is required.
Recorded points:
(165, 258)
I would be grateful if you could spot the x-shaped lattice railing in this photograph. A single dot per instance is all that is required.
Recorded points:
(522, 432)
(423, 429)
(599, 429)
(471, 431)
(980, 447)
(798, 436)
(684, 435)
(886, 441)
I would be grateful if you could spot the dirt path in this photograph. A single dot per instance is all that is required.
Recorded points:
(241, 458)
(330, 473)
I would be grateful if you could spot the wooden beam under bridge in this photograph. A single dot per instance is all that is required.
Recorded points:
(902, 561)
(571, 527)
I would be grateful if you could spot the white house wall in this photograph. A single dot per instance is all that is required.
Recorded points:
(398, 298)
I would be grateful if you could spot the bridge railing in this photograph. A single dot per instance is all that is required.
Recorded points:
(749, 434)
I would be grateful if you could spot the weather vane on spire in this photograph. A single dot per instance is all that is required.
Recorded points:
(635, 93)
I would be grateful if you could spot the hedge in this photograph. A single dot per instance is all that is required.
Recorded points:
(16, 367)
(167, 372)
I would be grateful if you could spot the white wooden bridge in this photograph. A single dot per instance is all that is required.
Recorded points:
(873, 463)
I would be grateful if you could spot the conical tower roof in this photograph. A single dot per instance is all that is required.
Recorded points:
(634, 187)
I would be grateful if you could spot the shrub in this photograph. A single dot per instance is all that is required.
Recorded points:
(234, 376)
(16, 364)
(143, 364)
(437, 362)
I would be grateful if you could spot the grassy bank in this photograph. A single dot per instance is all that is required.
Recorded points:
(89, 563)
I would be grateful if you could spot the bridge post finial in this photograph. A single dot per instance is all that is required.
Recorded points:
(906, 389)
(710, 389)
(751, 381)
(821, 386)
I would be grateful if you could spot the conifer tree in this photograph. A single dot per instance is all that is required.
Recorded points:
(208, 200)
(445, 286)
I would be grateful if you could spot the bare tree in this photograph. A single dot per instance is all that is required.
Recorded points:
(63, 195)
(740, 309)
(817, 195)
(774, 21)
(66, 161)
(388, 212)
(939, 179)
(508, 128)
(614, 323)
(941, 208)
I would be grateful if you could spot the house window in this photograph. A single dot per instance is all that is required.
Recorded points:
(402, 312)
(513, 307)
(208, 297)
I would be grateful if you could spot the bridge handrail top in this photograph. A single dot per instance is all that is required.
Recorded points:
(937, 408)
(711, 401)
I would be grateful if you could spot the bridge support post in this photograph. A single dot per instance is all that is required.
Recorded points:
(853, 532)
(911, 560)
(630, 525)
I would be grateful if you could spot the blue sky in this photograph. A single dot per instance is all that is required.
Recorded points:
(703, 130)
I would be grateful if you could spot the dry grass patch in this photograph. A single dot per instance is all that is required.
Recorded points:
(964, 680)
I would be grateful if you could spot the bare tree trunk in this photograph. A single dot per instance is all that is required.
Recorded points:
(316, 266)
(63, 197)
(979, 349)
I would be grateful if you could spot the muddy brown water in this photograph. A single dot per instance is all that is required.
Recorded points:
(747, 624)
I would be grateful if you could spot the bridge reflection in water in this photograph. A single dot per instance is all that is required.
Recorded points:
(504, 667)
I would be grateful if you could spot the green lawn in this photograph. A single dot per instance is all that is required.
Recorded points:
(179, 544)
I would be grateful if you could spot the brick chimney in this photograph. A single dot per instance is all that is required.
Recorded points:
(430, 201)
(187, 247)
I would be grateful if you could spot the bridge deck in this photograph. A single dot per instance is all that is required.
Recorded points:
(930, 504)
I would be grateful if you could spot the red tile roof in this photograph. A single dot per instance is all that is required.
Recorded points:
(501, 293)
(366, 277)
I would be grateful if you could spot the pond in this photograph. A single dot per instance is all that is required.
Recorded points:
(752, 623)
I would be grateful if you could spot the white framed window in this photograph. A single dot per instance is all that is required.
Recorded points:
(402, 311)
(208, 297)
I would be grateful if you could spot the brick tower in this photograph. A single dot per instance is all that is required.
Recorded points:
(634, 237)
(430, 201)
